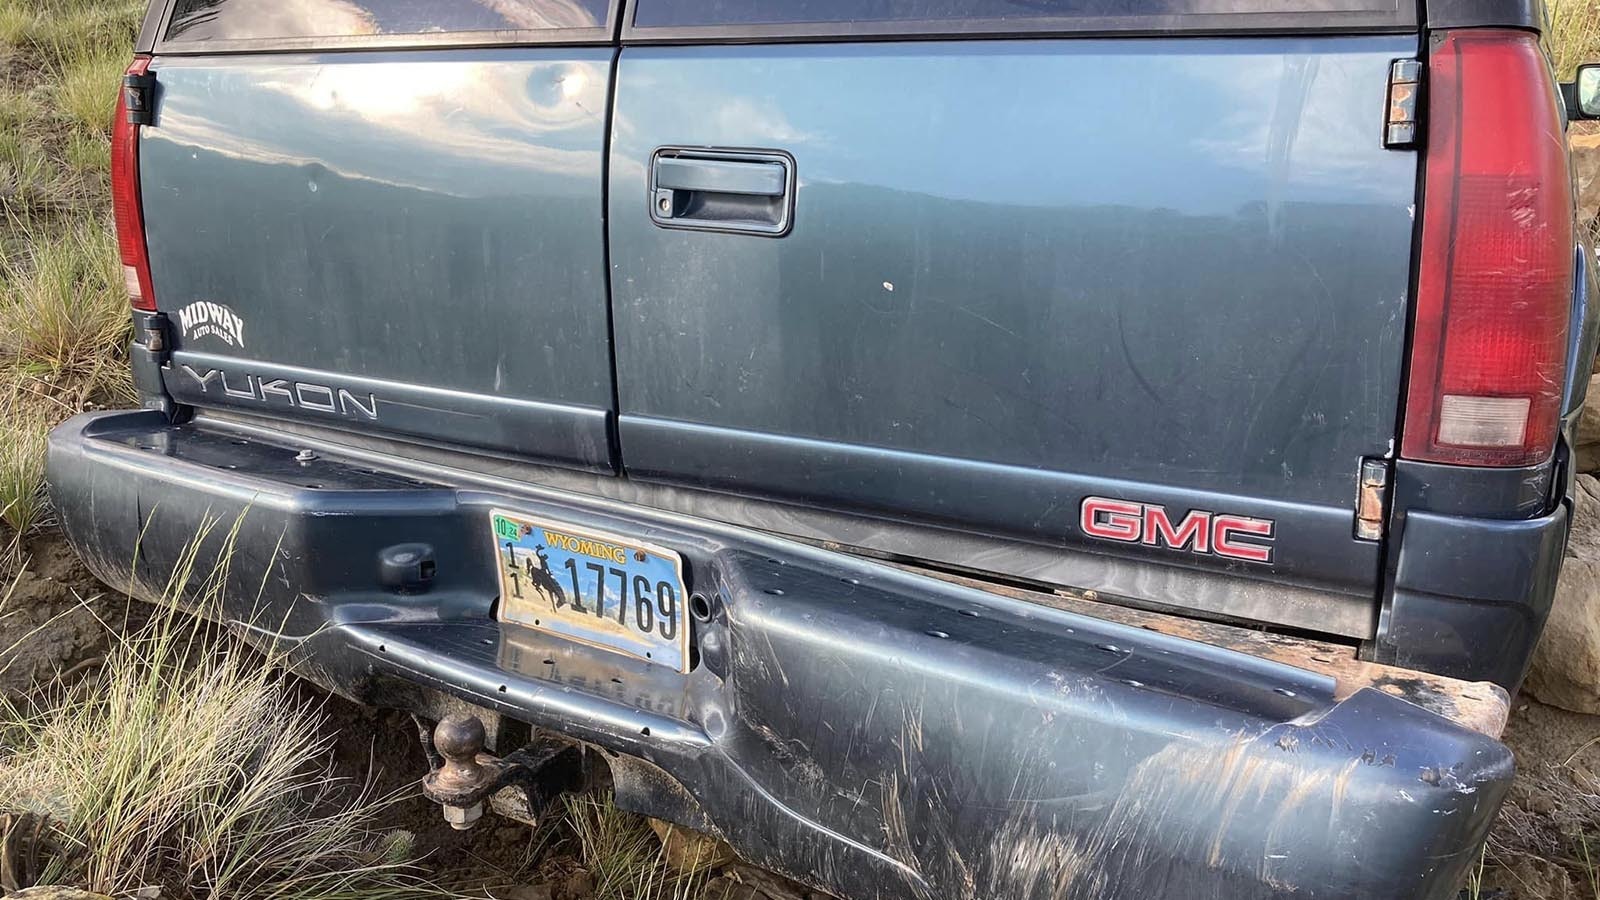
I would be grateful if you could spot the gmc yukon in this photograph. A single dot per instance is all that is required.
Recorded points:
(1003, 450)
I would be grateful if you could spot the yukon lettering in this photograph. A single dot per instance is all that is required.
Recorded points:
(1199, 531)
(306, 395)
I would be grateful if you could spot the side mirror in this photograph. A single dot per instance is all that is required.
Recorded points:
(1583, 94)
(1589, 91)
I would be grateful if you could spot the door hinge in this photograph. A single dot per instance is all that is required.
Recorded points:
(1400, 126)
(138, 97)
(152, 335)
(1372, 499)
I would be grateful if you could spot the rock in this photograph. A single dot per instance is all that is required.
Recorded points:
(1586, 452)
(55, 892)
(577, 886)
(1586, 168)
(1583, 541)
(1566, 664)
(687, 850)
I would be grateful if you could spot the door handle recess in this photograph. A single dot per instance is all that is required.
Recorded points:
(743, 191)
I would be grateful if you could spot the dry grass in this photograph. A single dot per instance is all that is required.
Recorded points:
(1551, 820)
(64, 329)
(23, 506)
(190, 763)
(67, 31)
(1572, 34)
(64, 317)
(87, 93)
(64, 323)
(626, 859)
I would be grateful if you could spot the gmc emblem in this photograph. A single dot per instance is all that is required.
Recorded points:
(1214, 534)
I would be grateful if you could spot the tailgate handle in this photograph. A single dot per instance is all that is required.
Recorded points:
(747, 191)
(720, 176)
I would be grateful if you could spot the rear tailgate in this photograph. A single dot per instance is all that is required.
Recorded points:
(1141, 296)
(407, 243)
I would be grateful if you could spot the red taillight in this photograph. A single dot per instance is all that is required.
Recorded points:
(125, 200)
(1494, 282)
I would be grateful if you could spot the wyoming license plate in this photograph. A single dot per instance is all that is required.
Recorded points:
(604, 589)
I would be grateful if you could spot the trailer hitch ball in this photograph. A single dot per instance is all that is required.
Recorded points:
(463, 777)
(460, 783)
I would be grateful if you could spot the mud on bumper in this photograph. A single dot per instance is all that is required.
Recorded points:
(872, 731)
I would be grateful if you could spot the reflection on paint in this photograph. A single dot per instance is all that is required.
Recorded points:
(227, 20)
(596, 672)
(450, 126)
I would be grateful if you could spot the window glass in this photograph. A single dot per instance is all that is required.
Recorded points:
(227, 20)
(689, 13)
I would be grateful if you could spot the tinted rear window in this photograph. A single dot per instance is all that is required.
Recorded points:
(695, 13)
(231, 20)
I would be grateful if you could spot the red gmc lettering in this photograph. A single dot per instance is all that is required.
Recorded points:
(1224, 527)
(1193, 530)
(1114, 520)
(1199, 531)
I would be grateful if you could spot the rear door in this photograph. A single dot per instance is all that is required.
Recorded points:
(386, 215)
(1133, 294)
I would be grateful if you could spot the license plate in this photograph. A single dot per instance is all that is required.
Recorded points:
(608, 590)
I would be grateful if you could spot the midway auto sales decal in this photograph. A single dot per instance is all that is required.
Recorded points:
(203, 318)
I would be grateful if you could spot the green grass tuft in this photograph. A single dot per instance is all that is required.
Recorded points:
(192, 763)
(16, 24)
(19, 111)
(64, 313)
(89, 87)
(89, 157)
(66, 32)
(23, 505)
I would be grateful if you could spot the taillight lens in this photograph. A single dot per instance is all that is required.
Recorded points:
(125, 200)
(1494, 281)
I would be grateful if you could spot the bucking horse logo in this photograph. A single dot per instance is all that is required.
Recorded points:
(538, 578)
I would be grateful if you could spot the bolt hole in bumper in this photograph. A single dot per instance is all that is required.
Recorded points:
(873, 731)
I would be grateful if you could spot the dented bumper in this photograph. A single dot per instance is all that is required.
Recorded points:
(872, 731)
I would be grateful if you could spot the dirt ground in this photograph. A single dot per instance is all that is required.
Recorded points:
(1540, 849)
(499, 858)
(44, 626)
(1546, 843)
